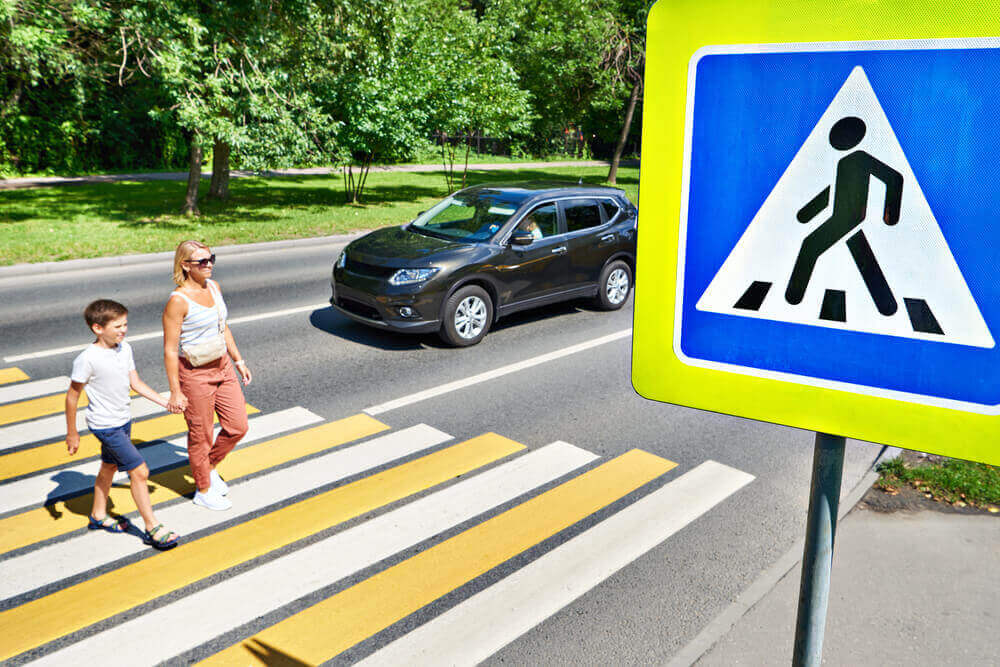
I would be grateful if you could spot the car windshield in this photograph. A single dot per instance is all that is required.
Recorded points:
(468, 217)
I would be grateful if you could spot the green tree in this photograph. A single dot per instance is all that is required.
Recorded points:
(227, 69)
(473, 87)
(625, 59)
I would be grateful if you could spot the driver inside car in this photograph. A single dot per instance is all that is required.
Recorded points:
(530, 225)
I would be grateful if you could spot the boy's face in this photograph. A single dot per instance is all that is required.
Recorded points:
(113, 332)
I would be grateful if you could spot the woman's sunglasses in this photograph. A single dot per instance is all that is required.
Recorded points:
(203, 263)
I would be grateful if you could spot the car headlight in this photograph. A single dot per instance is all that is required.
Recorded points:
(341, 260)
(411, 276)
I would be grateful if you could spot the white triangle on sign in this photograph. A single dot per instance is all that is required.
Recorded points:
(932, 298)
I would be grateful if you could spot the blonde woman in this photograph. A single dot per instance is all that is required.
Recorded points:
(199, 353)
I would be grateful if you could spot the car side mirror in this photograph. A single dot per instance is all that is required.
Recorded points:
(521, 238)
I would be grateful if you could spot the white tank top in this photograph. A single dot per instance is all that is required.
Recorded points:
(202, 323)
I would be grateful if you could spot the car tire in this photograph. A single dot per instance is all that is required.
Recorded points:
(468, 314)
(614, 285)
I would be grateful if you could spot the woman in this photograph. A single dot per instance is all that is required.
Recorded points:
(199, 353)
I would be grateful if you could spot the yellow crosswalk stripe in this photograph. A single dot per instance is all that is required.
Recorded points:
(12, 375)
(324, 630)
(52, 455)
(36, 407)
(21, 530)
(45, 619)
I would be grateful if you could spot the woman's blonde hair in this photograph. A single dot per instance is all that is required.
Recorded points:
(184, 252)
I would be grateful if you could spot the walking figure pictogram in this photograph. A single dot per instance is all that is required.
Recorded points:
(854, 172)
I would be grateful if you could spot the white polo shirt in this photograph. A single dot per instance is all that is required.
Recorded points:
(105, 371)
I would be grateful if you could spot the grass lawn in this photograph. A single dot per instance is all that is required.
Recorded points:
(95, 220)
(951, 480)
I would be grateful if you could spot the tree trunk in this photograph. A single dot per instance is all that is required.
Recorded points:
(620, 146)
(465, 171)
(194, 179)
(219, 187)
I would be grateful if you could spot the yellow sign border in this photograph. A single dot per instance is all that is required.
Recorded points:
(676, 30)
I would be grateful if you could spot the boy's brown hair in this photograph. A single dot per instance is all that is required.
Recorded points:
(102, 311)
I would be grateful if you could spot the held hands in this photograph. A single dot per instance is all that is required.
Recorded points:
(177, 402)
(72, 443)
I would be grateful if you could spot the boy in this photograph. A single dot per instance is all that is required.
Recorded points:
(108, 370)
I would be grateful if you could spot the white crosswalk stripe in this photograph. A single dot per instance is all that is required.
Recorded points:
(245, 597)
(26, 390)
(65, 559)
(49, 428)
(493, 618)
(276, 491)
(55, 484)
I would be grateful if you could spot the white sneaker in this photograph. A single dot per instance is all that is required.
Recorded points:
(212, 500)
(218, 484)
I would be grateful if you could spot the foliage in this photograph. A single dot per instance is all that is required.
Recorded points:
(953, 480)
(105, 84)
(228, 71)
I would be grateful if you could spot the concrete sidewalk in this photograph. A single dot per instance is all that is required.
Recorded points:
(907, 588)
(50, 181)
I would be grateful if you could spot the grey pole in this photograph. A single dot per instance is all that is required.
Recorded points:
(817, 557)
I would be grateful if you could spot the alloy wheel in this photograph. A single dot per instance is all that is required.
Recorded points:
(617, 286)
(470, 317)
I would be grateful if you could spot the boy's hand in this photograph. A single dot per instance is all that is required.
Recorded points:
(72, 443)
(177, 402)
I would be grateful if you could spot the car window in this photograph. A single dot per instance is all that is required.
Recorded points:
(581, 214)
(541, 222)
(610, 209)
(469, 217)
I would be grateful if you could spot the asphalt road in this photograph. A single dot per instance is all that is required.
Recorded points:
(315, 358)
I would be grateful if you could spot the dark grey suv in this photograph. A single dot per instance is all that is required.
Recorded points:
(488, 251)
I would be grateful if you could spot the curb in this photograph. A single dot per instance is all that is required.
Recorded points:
(47, 268)
(765, 583)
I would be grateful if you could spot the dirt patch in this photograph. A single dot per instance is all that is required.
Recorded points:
(908, 499)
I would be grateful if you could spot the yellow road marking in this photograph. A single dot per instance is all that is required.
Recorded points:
(12, 375)
(49, 456)
(71, 609)
(62, 517)
(324, 630)
(36, 407)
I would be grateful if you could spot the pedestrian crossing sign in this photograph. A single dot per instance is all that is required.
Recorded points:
(820, 194)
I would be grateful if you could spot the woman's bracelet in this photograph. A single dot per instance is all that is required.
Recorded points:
(241, 362)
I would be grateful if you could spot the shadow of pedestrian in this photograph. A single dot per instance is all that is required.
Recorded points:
(74, 493)
(70, 484)
(271, 656)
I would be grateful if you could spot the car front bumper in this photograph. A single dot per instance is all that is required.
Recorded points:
(359, 298)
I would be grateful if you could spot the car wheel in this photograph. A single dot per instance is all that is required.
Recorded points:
(614, 285)
(468, 314)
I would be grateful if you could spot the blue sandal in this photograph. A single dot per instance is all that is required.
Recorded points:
(161, 538)
(108, 523)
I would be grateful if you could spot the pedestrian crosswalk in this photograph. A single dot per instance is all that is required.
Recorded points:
(317, 503)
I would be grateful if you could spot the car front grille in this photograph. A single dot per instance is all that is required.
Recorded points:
(358, 308)
(371, 270)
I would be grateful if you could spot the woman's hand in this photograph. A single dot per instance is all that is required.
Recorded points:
(244, 370)
(177, 402)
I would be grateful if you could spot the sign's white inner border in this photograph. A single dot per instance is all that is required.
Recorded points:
(732, 49)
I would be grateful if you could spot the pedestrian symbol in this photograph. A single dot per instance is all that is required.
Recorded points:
(847, 240)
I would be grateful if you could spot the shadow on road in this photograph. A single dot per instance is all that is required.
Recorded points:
(332, 322)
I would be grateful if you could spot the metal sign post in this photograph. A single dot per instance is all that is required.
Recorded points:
(817, 556)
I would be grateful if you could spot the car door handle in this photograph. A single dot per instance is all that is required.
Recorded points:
(558, 251)
(607, 238)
